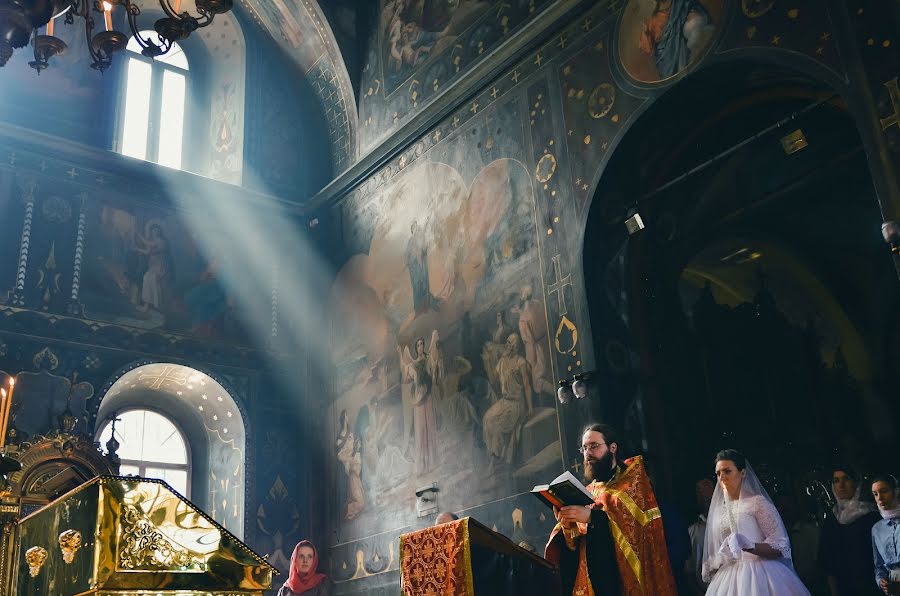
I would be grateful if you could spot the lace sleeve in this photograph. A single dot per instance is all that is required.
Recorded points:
(772, 527)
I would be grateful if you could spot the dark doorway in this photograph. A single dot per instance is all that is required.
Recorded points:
(758, 308)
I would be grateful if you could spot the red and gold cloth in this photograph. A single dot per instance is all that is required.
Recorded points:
(437, 561)
(636, 527)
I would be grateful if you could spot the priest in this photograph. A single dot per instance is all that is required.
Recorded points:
(616, 546)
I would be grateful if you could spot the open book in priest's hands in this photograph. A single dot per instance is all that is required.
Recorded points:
(563, 491)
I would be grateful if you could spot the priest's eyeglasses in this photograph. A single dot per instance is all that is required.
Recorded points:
(590, 447)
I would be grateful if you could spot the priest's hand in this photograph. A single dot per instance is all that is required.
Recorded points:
(574, 514)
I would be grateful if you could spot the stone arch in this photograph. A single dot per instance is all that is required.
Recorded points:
(213, 422)
(624, 275)
(802, 66)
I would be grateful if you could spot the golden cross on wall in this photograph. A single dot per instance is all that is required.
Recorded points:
(560, 284)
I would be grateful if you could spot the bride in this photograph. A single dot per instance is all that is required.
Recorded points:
(746, 552)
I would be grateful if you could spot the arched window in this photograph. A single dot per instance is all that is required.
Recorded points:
(151, 124)
(151, 446)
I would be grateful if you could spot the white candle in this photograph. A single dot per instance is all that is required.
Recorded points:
(107, 15)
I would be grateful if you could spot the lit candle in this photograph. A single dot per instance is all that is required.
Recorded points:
(177, 6)
(50, 27)
(107, 15)
(4, 416)
(2, 409)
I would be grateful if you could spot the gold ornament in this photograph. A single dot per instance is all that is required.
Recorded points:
(35, 556)
(69, 543)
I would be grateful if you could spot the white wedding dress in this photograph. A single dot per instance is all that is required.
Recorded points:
(731, 571)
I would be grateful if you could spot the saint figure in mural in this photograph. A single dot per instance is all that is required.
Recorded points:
(206, 302)
(417, 263)
(383, 460)
(533, 330)
(454, 409)
(503, 421)
(159, 266)
(348, 454)
(415, 371)
(493, 351)
(675, 33)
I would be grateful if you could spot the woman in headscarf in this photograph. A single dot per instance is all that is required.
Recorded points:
(303, 578)
(844, 546)
(886, 534)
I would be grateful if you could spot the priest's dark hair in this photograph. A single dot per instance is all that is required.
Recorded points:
(610, 434)
(740, 462)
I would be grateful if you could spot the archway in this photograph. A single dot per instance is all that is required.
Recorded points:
(211, 421)
(746, 314)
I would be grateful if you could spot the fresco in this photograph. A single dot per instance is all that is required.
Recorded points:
(414, 31)
(441, 345)
(418, 47)
(660, 38)
(144, 269)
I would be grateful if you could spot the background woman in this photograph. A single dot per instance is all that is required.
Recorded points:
(844, 544)
(303, 578)
(886, 534)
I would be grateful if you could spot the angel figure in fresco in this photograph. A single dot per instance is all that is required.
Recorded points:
(674, 32)
(415, 371)
(348, 454)
(155, 247)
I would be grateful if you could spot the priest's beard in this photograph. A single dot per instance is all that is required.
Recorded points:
(598, 469)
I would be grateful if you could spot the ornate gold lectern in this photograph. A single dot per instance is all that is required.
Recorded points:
(118, 536)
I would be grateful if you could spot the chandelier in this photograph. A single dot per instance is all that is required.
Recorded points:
(21, 20)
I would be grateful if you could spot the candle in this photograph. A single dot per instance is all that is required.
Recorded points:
(2, 409)
(4, 418)
(107, 15)
(177, 6)
(50, 27)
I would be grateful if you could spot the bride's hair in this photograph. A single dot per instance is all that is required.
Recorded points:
(740, 462)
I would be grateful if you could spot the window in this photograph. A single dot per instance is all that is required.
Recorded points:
(150, 445)
(152, 116)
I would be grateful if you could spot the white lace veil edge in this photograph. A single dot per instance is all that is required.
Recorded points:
(719, 522)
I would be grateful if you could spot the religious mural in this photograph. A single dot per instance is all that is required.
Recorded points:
(144, 269)
(441, 344)
(414, 31)
(660, 38)
(419, 46)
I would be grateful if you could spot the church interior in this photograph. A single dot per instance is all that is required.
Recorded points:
(323, 269)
